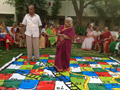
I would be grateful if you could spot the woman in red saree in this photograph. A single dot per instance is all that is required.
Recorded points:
(63, 48)
(104, 38)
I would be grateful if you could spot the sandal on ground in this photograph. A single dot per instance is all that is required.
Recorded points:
(36, 60)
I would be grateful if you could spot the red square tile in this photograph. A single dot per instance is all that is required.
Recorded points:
(4, 88)
(36, 72)
(45, 55)
(72, 59)
(87, 57)
(46, 85)
(5, 76)
(51, 61)
(103, 74)
(84, 65)
(31, 63)
(118, 69)
(104, 63)
(24, 57)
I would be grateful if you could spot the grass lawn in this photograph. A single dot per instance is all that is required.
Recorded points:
(6, 56)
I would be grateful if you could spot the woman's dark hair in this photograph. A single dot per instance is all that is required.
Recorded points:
(51, 25)
(88, 24)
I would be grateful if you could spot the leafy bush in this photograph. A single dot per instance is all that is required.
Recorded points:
(80, 30)
(55, 8)
(8, 22)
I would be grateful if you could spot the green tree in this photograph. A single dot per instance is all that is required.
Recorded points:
(109, 11)
(41, 7)
(55, 8)
(21, 7)
(112, 9)
(79, 8)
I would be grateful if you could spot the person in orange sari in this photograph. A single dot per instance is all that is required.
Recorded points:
(42, 40)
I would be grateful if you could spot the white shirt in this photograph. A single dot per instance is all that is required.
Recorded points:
(97, 33)
(32, 25)
(43, 30)
(117, 35)
(87, 30)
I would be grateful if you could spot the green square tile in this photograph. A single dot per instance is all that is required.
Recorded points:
(99, 70)
(51, 58)
(72, 57)
(50, 64)
(83, 62)
(36, 66)
(118, 80)
(78, 79)
(43, 57)
(73, 62)
(47, 78)
(62, 74)
(26, 67)
(21, 60)
(105, 58)
(12, 83)
(89, 60)
(118, 66)
(1, 82)
(94, 86)
(105, 66)
(77, 74)
(7, 71)
(99, 60)
(78, 86)
(33, 77)
(86, 69)
(107, 80)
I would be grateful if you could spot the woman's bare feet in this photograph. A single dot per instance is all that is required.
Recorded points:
(28, 60)
(16, 42)
(99, 51)
(104, 52)
(7, 49)
(110, 54)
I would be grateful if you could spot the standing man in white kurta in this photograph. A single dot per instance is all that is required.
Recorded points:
(32, 25)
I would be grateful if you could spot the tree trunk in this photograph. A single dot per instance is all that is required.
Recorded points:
(79, 19)
(79, 12)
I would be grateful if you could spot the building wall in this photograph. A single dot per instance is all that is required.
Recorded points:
(67, 9)
(5, 8)
(6, 11)
(88, 16)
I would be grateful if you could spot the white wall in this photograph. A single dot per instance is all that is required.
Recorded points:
(5, 8)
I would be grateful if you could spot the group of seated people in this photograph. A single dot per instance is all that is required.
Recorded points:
(48, 36)
(103, 41)
(16, 35)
